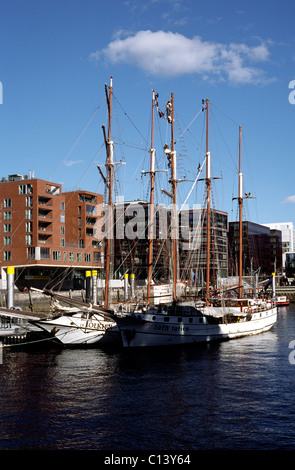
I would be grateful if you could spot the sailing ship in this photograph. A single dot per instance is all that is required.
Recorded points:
(81, 324)
(88, 324)
(15, 326)
(12, 330)
(188, 322)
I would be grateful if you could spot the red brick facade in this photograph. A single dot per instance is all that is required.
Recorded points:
(42, 227)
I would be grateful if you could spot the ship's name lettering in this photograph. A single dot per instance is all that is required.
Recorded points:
(89, 325)
(172, 328)
(180, 328)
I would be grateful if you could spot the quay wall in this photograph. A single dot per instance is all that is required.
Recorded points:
(36, 301)
(288, 291)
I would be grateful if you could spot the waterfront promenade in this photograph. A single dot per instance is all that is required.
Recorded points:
(38, 301)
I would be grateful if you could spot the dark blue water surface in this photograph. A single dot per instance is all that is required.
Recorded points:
(233, 395)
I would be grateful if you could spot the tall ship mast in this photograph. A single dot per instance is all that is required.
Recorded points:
(151, 212)
(208, 184)
(191, 321)
(109, 182)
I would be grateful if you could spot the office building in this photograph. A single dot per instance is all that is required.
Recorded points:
(47, 235)
(256, 249)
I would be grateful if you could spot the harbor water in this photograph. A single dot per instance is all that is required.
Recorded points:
(234, 395)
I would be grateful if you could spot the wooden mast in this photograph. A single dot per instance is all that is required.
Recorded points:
(240, 200)
(110, 176)
(174, 200)
(151, 224)
(208, 183)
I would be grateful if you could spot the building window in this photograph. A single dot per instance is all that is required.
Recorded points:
(62, 230)
(87, 198)
(65, 256)
(31, 252)
(29, 239)
(81, 243)
(62, 218)
(29, 213)
(56, 255)
(90, 209)
(87, 257)
(7, 202)
(79, 257)
(62, 206)
(45, 253)
(71, 256)
(29, 227)
(96, 257)
(7, 255)
(29, 201)
(7, 215)
(62, 242)
(7, 240)
(7, 228)
(25, 189)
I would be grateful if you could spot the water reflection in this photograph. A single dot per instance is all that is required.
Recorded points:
(236, 394)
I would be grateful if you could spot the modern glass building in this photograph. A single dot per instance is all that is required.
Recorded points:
(193, 245)
(290, 264)
(256, 249)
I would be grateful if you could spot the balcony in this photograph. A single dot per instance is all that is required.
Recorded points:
(44, 201)
(44, 239)
(44, 226)
(45, 214)
(90, 221)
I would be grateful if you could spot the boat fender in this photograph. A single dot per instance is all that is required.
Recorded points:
(129, 334)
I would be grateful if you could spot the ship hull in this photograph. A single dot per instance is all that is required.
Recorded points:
(76, 330)
(143, 331)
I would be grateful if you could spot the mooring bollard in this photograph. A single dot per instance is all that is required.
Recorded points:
(94, 287)
(10, 286)
(125, 286)
(88, 286)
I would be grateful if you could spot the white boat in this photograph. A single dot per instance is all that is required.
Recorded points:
(187, 322)
(80, 324)
(282, 301)
(11, 330)
(81, 328)
(88, 326)
(15, 326)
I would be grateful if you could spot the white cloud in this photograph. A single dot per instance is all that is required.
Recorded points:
(171, 54)
(289, 200)
(72, 162)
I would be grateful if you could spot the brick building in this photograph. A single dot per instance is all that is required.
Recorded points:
(48, 235)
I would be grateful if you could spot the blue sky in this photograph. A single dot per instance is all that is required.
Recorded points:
(56, 56)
